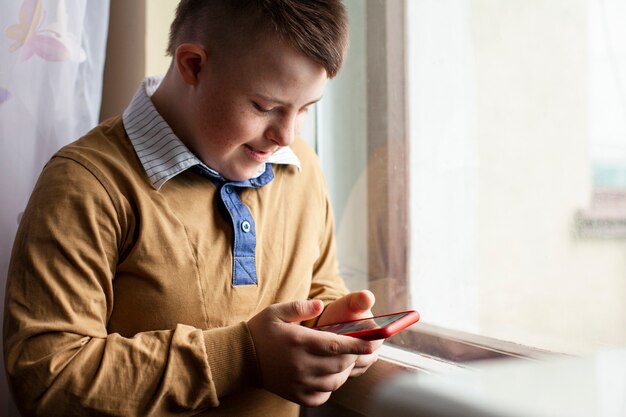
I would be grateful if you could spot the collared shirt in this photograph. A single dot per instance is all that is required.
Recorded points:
(163, 156)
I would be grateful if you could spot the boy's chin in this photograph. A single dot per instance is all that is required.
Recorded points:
(244, 174)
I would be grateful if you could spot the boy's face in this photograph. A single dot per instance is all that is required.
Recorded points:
(247, 105)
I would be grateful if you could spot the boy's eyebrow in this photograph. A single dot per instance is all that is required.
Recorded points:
(284, 103)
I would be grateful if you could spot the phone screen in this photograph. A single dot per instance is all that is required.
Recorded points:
(363, 324)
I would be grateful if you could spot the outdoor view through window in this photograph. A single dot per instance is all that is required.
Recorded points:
(476, 156)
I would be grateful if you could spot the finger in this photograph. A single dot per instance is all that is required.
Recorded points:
(330, 382)
(368, 360)
(320, 366)
(365, 361)
(361, 301)
(358, 371)
(329, 344)
(352, 306)
(297, 311)
(313, 398)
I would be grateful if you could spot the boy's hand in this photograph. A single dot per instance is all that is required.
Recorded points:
(301, 364)
(353, 306)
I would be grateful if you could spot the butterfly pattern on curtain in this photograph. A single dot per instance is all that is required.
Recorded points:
(34, 35)
(50, 41)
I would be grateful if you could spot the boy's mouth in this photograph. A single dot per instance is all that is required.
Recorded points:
(257, 154)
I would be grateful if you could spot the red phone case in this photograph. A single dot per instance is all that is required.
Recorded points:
(358, 328)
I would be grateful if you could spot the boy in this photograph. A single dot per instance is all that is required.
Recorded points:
(164, 262)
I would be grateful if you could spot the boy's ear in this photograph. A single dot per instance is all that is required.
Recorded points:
(190, 58)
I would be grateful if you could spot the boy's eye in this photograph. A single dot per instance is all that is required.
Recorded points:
(260, 108)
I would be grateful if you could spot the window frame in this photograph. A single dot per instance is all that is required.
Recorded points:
(388, 154)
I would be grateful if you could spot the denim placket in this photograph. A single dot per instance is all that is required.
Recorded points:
(244, 245)
(244, 230)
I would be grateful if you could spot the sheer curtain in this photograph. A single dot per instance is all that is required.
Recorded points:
(51, 64)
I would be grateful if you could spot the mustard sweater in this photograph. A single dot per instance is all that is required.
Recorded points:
(119, 297)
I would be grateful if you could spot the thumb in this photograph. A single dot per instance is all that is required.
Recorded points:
(297, 311)
(352, 306)
(360, 301)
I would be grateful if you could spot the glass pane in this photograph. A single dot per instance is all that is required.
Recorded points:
(512, 117)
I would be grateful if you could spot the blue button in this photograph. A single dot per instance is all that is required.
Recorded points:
(245, 226)
(228, 189)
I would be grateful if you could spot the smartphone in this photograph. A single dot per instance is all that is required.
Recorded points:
(374, 328)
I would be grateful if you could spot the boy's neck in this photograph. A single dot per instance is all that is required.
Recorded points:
(169, 100)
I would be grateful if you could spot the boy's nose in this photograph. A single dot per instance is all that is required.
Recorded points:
(283, 131)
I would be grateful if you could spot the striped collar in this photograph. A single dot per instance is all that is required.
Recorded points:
(162, 154)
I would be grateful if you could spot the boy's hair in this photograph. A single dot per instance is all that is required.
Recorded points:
(317, 28)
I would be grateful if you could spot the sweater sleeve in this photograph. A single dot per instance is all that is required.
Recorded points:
(59, 357)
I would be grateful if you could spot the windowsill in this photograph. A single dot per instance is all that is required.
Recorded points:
(461, 348)
(438, 352)
(561, 385)
(591, 386)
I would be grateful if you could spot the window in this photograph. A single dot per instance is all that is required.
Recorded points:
(476, 152)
